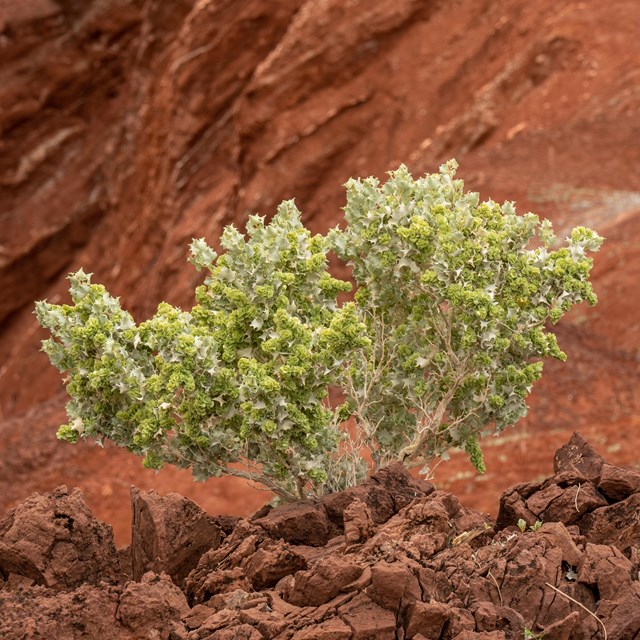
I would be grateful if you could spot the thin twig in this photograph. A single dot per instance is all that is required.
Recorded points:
(497, 587)
(593, 615)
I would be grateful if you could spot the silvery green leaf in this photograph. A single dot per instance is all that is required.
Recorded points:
(202, 255)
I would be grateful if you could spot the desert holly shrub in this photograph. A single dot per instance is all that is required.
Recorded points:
(455, 303)
(442, 343)
(240, 378)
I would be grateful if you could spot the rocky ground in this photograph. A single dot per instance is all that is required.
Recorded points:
(127, 127)
(393, 559)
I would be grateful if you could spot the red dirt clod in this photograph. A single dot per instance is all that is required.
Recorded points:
(331, 629)
(358, 522)
(617, 524)
(169, 533)
(368, 620)
(152, 603)
(606, 568)
(322, 582)
(299, 523)
(55, 540)
(617, 483)
(580, 457)
(431, 616)
(272, 561)
(393, 586)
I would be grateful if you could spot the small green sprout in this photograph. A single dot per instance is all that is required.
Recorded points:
(536, 525)
(522, 525)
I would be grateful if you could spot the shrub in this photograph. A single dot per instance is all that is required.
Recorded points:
(456, 305)
(442, 343)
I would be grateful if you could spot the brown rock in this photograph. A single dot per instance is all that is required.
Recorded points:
(401, 485)
(605, 567)
(513, 506)
(360, 583)
(530, 564)
(247, 559)
(379, 503)
(393, 586)
(332, 629)
(40, 613)
(278, 604)
(428, 523)
(565, 497)
(239, 632)
(154, 603)
(490, 617)
(221, 570)
(482, 635)
(237, 599)
(126, 567)
(427, 618)
(169, 533)
(434, 584)
(618, 483)
(358, 522)
(419, 575)
(616, 524)
(215, 622)
(460, 620)
(18, 15)
(17, 582)
(556, 535)
(268, 623)
(195, 617)
(55, 540)
(298, 523)
(580, 457)
(555, 503)
(226, 523)
(621, 615)
(322, 582)
(562, 629)
(271, 562)
(368, 620)
(384, 494)
(203, 587)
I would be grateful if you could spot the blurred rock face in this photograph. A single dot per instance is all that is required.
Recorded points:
(129, 127)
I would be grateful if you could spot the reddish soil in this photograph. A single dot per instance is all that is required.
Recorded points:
(391, 559)
(129, 127)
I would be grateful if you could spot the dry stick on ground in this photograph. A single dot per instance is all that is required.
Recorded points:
(497, 587)
(568, 597)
